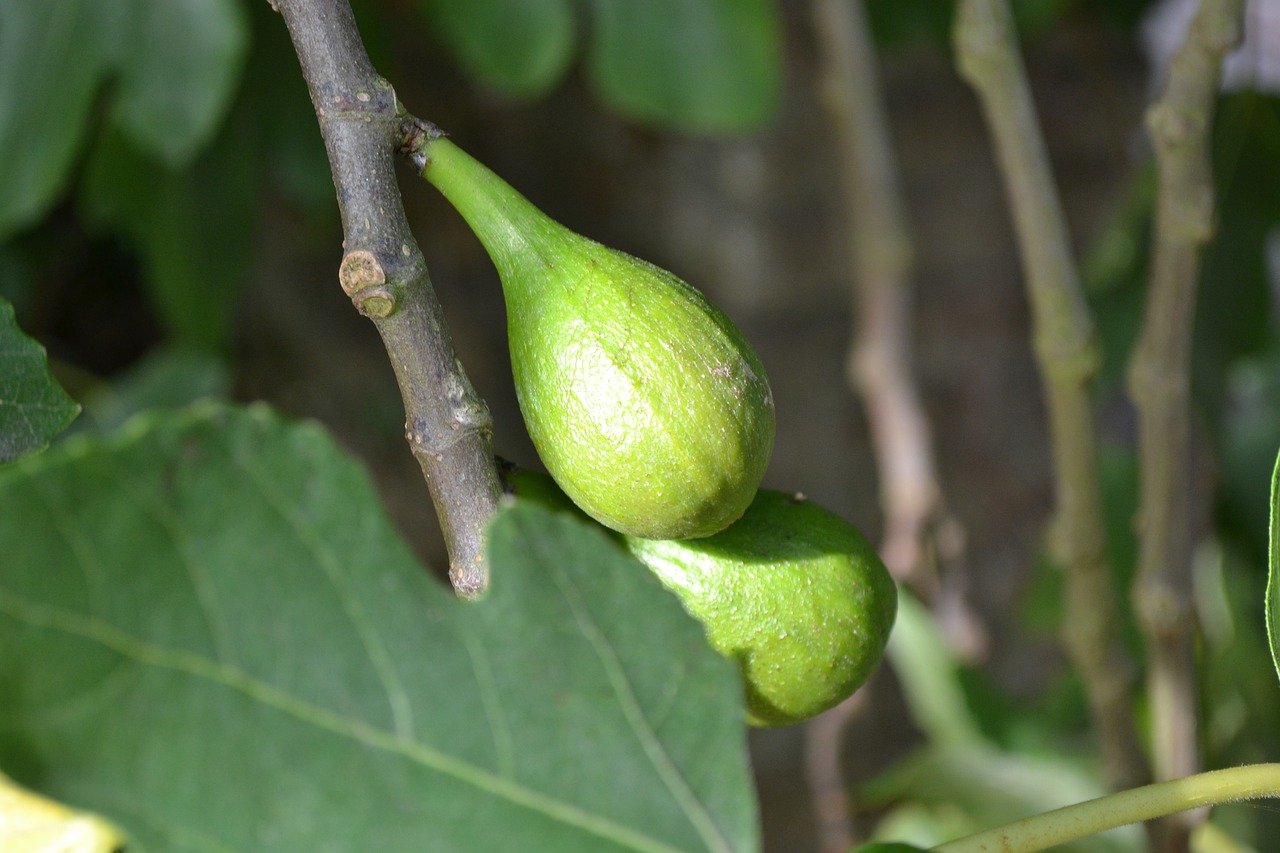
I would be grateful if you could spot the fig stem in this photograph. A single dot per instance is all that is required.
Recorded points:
(448, 426)
(1070, 823)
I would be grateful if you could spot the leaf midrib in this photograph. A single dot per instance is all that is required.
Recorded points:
(38, 615)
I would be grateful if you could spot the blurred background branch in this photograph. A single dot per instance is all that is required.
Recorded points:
(922, 543)
(1160, 384)
(1066, 349)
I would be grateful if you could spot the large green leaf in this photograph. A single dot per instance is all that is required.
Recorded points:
(521, 47)
(178, 70)
(210, 633)
(33, 407)
(50, 60)
(703, 65)
(1273, 570)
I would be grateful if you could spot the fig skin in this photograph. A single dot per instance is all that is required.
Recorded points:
(648, 408)
(790, 592)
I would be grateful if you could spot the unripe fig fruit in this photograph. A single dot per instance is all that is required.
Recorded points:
(790, 592)
(644, 402)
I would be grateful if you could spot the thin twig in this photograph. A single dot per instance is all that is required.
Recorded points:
(1075, 822)
(824, 772)
(1068, 356)
(447, 425)
(1159, 382)
(919, 532)
(923, 542)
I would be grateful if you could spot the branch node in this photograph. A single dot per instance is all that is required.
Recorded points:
(415, 133)
(376, 303)
(360, 269)
(386, 278)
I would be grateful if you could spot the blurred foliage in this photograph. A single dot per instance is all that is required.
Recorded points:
(179, 115)
(173, 66)
(521, 47)
(965, 779)
(900, 22)
(697, 65)
(973, 726)
(1236, 389)
(704, 65)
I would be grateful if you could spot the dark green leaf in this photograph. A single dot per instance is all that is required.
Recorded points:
(897, 22)
(178, 69)
(33, 407)
(50, 61)
(888, 847)
(521, 47)
(210, 633)
(1273, 570)
(702, 65)
(166, 379)
(193, 229)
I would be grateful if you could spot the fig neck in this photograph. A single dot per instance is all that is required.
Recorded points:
(515, 233)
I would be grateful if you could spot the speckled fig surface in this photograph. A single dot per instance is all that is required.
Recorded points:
(644, 402)
(793, 593)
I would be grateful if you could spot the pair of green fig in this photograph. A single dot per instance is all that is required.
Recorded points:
(654, 416)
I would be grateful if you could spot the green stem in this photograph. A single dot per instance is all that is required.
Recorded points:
(1137, 804)
(507, 223)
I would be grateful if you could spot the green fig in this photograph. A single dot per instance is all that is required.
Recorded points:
(790, 592)
(644, 402)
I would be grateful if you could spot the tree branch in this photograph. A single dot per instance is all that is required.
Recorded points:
(824, 772)
(1159, 380)
(919, 532)
(447, 425)
(1067, 352)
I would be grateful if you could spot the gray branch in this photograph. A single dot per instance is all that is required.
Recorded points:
(447, 425)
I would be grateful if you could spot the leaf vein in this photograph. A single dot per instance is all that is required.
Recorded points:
(206, 597)
(503, 746)
(96, 630)
(393, 687)
(667, 770)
